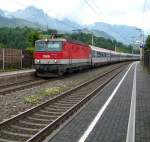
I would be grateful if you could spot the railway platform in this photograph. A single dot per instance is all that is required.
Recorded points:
(118, 113)
(14, 76)
(2, 74)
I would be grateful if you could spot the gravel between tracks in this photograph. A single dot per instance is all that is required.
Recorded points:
(13, 103)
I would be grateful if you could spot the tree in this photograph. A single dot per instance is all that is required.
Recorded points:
(18, 37)
(147, 44)
(25, 38)
(33, 36)
(2, 45)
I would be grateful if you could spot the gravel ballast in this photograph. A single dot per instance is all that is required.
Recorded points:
(14, 103)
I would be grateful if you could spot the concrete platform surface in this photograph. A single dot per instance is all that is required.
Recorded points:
(16, 76)
(2, 74)
(119, 113)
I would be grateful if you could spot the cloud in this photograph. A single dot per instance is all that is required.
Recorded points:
(128, 12)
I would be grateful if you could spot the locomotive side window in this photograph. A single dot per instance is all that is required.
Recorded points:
(54, 46)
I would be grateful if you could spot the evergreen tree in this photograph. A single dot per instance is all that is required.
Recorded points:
(147, 44)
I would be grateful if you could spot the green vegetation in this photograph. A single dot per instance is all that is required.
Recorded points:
(9, 69)
(34, 99)
(18, 37)
(24, 38)
(100, 42)
(147, 44)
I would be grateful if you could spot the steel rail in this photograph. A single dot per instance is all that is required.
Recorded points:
(59, 111)
(7, 88)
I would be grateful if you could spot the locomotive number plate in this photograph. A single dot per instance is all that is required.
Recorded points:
(46, 56)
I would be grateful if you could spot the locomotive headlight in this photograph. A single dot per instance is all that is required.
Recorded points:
(38, 61)
(55, 61)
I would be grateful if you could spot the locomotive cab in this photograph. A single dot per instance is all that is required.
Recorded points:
(47, 55)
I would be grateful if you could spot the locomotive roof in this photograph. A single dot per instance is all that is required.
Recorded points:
(54, 39)
(93, 47)
(113, 52)
(100, 49)
(62, 39)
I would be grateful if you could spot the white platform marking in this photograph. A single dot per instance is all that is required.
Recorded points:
(131, 124)
(101, 111)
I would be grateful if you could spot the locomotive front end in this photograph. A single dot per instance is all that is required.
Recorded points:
(47, 56)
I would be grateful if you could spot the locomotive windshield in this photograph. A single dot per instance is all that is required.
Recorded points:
(40, 46)
(48, 46)
(54, 46)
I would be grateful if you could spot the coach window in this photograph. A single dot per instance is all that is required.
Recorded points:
(94, 54)
(98, 54)
(107, 54)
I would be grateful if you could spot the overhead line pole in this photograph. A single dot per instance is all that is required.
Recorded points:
(92, 39)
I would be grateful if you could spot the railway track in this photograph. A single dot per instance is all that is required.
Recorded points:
(36, 123)
(19, 85)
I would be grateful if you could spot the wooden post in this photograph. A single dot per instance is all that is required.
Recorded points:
(3, 59)
(21, 58)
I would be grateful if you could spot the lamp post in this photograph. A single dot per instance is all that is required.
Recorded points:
(114, 45)
(92, 38)
(141, 42)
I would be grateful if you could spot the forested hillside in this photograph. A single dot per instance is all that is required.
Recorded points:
(25, 38)
(18, 37)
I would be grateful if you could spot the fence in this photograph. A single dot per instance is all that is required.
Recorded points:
(14, 58)
(147, 59)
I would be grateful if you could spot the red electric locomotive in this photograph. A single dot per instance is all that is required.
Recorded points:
(54, 57)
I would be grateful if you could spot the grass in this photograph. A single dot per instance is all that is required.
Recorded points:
(8, 70)
(34, 99)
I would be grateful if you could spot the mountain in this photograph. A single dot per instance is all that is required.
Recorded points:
(98, 33)
(32, 14)
(1, 12)
(14, 22)
(36, 15)
(122, 33)
(5, 14)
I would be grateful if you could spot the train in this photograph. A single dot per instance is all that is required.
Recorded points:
(54, 57)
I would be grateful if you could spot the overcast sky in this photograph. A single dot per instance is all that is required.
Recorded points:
(128, 12)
